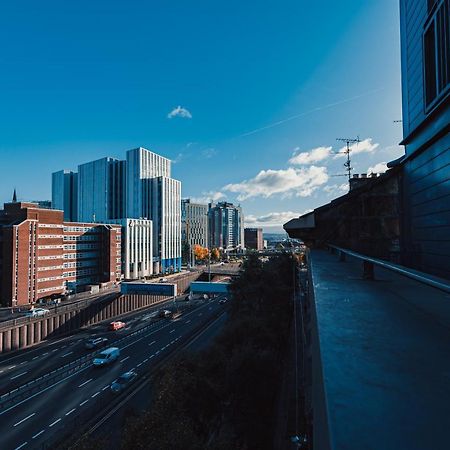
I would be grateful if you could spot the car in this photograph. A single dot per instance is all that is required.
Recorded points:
(222, 301)
(95, 342)
(163, 280)
(165, 313)
(116, 325)
(123, 381)
(106, 357)
(205, 297)
(37, 312)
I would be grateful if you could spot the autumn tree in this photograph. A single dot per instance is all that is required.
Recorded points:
(200, 252)
(215, 254)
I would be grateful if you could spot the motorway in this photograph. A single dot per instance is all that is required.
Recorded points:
(37, 419)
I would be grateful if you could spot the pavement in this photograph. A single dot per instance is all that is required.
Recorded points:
(43, 416)
(385, 351)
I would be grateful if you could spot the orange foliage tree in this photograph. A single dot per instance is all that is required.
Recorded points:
(200, 252)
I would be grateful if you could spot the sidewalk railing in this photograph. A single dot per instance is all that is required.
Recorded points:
(369, 263)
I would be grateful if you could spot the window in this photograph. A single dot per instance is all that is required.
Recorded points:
(436, 47)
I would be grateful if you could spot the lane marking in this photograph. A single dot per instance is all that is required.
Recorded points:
(12, 367)
(55, 422)
(66, 354)
(95, 395)
(187, 321)
(17, 376)
(71, 411)
(83, 403)
(200, 314)
(86, 382)
(106, 387)
(46, 353)
(38, 434)
(145, 360)
(124, 359)
(55, 350)
(36, 357)
(171, 331)
(139, 365)
(151, 343)
(20, 446)
(23, 420)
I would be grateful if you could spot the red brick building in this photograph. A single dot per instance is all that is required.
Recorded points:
(41, 255)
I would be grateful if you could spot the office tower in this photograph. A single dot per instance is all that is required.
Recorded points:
(194, 227)
(253, 238)
(101, 190)
(226, 226)
(65, 193)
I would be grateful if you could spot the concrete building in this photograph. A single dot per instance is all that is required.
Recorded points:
(194, 226)
(42, 255)
(65, 193)
(226, 226)
(101, 190)
(253, 238)
(137, 248)
(426, 129)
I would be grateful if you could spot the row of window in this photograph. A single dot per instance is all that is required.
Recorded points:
(81, 237)
(49, 289)
(49, 268)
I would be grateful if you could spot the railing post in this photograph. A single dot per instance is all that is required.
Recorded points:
(368, 272)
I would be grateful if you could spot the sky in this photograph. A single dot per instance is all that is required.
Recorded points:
(247, 98)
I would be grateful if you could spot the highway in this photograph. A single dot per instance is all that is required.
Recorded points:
(38, 418)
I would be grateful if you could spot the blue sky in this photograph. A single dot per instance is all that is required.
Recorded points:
(260, 84)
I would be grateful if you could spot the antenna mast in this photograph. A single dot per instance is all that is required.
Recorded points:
(347, 164)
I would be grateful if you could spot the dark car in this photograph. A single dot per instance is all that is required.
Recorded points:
(95, 342)
(165, 313)
(223, 300)
(123, 381)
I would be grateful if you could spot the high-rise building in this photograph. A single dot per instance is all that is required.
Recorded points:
(42, 255)
(101, 190)
(253, 238)
(139, 187)
(226, 226)
(425, 40)
(65, 193)
(194, 227)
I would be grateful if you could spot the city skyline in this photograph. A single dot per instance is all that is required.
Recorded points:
(312, 85)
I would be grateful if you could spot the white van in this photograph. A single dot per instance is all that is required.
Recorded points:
(106, 357)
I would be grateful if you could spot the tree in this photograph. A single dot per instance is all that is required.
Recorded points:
(200, 252)
(186, 253)
(215, 254)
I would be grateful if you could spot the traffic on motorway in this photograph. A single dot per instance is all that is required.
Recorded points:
(76, 396)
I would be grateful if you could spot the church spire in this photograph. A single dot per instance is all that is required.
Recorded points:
(14, 196)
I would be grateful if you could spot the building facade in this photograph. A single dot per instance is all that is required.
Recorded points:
(42, 255)
(101, 190)
(226, 226)
(425, 50)
(194, 227)
(65, 193)
(253, 238)
(137, 248)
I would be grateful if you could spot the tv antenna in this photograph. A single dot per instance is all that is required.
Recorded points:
(348, 164)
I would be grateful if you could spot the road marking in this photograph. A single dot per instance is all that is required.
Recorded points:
(139, 365)
(158, 352)
(106, 387)
(55, 422)
(83, 403)
(95, 395)
(131, 343)
(86, 382)
(124, 359)
(20, 446)
(36, 357)
(9, 368)
(152, 356)
(151, 343)
(145, 360)
(187, 321)
(38, 434)
(66, 354)
(200, 314)
(46, 353)
(55, 350)
(23, 362)
(171, 331)
(20, 374)
(71, 411)
(23, 420)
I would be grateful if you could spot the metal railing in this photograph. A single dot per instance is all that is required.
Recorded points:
(370, 262)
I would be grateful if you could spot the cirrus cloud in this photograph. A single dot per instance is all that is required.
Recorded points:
(313, 156)
(179, 112)
(286, 182)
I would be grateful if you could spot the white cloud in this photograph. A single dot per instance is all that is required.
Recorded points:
(365, 146)
(273, 219)
(378, 168)
(299, 182)
(210, 196)
(336, 189)
(313, 156)
(179, 112)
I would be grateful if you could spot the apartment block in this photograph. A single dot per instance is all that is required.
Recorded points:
(194, 226)
(226, 226)
(42, 255)
(253, 238)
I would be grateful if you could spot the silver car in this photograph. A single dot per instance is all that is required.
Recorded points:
(37, 312)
